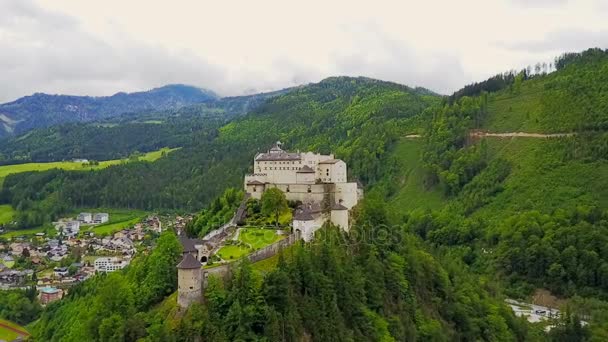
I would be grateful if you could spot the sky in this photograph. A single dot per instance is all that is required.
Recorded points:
(97, 47)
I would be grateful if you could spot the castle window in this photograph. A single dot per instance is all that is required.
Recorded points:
(309, 189)
(191, 287)
(287, 188)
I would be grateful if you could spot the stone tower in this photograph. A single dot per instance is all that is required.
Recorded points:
(189, 281)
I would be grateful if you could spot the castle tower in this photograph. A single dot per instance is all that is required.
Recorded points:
(339, 216)
(189, 281)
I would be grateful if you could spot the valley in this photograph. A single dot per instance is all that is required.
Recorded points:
(492, 193)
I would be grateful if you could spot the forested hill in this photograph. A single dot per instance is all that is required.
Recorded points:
(357, 118)
(120, 136)
(43, 110)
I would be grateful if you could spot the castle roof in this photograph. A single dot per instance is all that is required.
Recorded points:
(330, 161)
(189, 262)
(305, 169)
(187, 244)
(278, 155)
(303, 215)
(338, 206)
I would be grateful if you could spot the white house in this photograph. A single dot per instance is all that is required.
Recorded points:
(85, 217)
(101, 218)
(110, 264)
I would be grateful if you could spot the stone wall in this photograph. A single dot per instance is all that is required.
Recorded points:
(224, 271)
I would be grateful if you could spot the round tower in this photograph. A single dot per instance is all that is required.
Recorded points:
(339, 216)
(189, 281)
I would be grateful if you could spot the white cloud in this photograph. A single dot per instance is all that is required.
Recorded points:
(563, 40)
(101, 47)
(540, 3)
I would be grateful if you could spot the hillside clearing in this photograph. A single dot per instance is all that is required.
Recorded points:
(6, 170)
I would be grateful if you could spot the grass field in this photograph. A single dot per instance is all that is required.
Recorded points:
(114, 227)
(267, 265)
(24, 232)
(8, 334)
(6, 170)
(6, 213)
(119, 219)
(233, 252)
(259, 238)
(411, 192)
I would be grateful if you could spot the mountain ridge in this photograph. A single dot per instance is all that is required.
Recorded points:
(44, 110)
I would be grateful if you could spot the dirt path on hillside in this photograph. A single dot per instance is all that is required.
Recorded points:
(15, 330)
(483, 134)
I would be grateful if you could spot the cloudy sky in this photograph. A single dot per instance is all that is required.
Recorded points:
(237, 47)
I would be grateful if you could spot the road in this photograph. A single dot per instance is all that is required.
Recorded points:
(534, 313)
(483, 134)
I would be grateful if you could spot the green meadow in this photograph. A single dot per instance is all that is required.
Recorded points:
(6, 170)
(6, 213)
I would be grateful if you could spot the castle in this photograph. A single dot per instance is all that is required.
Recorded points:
(319, 182)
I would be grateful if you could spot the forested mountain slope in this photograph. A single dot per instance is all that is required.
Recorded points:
(43, 110)
(119, 137)
(357, 118)
(532, 211)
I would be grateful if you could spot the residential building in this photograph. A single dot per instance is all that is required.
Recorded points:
(101, 218)
(110, 264)
(85, 217)
(50, 294)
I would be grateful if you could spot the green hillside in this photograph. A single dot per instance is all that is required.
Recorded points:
(472, 220)
(357, 118)
(571, 99)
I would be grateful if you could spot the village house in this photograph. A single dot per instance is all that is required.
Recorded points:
(60, 271)
(85, 218)
(101, 218)
(50, 294)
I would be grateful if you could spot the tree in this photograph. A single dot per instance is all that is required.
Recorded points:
(274, 202)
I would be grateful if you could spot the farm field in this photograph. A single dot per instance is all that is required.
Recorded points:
(6, 170)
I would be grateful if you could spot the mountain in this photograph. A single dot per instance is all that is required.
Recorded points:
(43, 110)
(119, 137)
(358, 118)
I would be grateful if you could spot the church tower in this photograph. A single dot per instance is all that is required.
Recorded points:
(189, 281)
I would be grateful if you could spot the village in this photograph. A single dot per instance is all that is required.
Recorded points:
(73, 252)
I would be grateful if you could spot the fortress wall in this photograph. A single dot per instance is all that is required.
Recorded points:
(225, 271)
